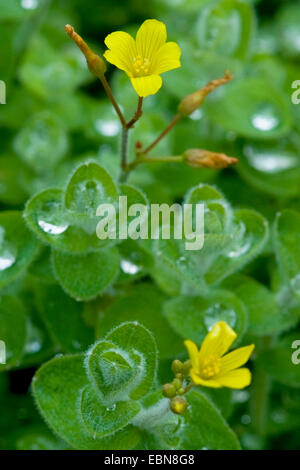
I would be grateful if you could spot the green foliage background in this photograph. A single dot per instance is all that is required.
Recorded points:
(63, 289)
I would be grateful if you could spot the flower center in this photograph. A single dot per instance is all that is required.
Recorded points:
(141, 65)
(210, 366)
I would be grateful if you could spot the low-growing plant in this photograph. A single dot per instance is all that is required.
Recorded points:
(124, 343)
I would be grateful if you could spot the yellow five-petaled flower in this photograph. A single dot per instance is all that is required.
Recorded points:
(144, 58)
(211, 368)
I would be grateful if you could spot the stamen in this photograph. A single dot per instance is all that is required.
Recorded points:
(210, 366)
(141, 65)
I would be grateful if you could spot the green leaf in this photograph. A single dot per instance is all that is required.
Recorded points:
(249, 236)
(232, 24)
(36, 142)
(265, 316)
(17, 247)
(201, 313)
(57, 387)
(205, 428)
(101, 419)
(89, 187)
(84, 276)
(124, 363)
(287, 247)
(47, 217)
(52, 74)
(144, 304)
(63, 317)
(277, 361)
(266, 111)
(13, 330)
(272, 167)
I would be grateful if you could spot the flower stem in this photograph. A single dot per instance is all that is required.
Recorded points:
(163, 134)
(124, 153)
(137, 114)
(112, 99)
(260, 392)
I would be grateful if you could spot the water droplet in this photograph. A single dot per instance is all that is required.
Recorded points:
(7, 259)
(129, 268)
(271, 160)
(240, 250)
(265, 118)
(279, 416)
(111, 407)
(29, 4)
(218, 312)
(51, 228)
(245, 419)
(241, 242)
(196, 115)
(107, 128)
(240, 396)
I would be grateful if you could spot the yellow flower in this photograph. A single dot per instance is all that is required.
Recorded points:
(211, 368)
(144, 58)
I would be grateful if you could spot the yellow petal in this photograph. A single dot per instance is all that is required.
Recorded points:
(217, 341)
(167, 58)
(204, 383)
(122, 51)
(236, 358)
(145, 86)
(238, 378)
(193, 353)
(150, 37)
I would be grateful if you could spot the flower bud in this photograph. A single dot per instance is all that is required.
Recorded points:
(186, 367)
(205, 159)
(190, 103)
(95, 63)
(177, 383)
(178, 405)
(176, 366)
(169, 391)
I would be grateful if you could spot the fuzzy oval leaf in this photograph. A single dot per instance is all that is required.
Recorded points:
(13, 331)
(265, 315)
(193, 317)
(102, 419)
(205, 428)
(63, 317)
(125, 362)
(84, 276)
(18, 247)
(47, 217)
(57, 387)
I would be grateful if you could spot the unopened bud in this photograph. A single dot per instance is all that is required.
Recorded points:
(178, 405)
(205, 159)
(177, 383)
(190, 103)
(169, 391)
(176, 366)
(186, 367)
(95, 63)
